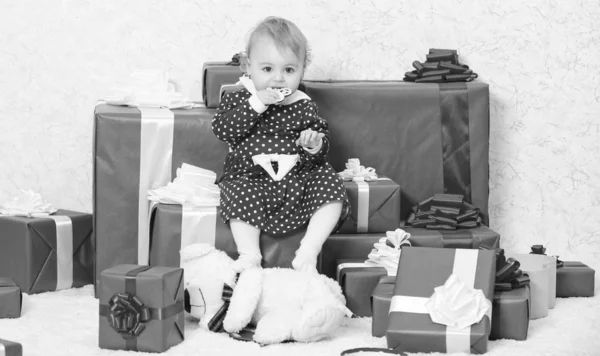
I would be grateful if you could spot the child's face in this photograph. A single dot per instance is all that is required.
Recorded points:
(274, 68)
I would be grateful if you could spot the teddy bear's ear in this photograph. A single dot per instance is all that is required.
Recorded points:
(244, 301)
(195, 250)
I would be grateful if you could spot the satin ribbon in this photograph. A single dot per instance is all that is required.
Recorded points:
(444, 212)
(285, 164)
(386, 252)
(356, 172)
(441, 66)
(156, 153)
(64, 251)
(216, 323)
(2, 349)
(465, 267)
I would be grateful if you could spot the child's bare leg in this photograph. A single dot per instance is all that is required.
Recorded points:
(246, 238)
(320, 226)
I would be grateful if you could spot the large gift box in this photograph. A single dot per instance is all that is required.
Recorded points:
(374, 206)
(141, 308)
(425, 282)
(47, 253)
(574, 279)
(215, 75)
(10, 348)
(358, 280)
(175, 226)
(358, 246)
(11, 299)
(429, 138)
(137, 149)
(510, 314)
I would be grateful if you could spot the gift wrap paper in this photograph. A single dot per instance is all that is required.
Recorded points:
(10, 348)
(358, 246)
(374, 206)
(215, 75)
(47, 253)
(510, 314)
(136, 150)
(420, 271)
(161, 290)
(174, 227)
(380, 305)
(429, 138)
(358, 281)
(574, 279)
(11, 299)
(541, 270)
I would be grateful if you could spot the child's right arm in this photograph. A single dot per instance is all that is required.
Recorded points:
(235, 117)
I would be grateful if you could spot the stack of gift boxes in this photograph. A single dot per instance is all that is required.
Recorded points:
(414, 157)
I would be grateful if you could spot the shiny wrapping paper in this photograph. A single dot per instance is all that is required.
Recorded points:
(11, 299)
(420, 270)
(574, 279)
(374, 207)
(161, 289)
(429, 138)
(117, 165)
(357, 282)
(216, 74)
(10, 348)
(29, 251)
(510, 314)
(380, 305)
(358, 246)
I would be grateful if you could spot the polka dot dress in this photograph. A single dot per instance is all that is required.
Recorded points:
(248, 192)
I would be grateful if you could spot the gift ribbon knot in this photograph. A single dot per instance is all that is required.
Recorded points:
(216, 323)
(444, 212)
(127, 315)
(356, 172)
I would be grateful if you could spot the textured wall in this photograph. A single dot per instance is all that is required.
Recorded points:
(540, 58)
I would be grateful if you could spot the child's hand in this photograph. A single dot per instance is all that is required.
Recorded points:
(268, 97)
(309, 138)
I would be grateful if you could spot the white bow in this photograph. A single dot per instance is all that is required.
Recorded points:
(387, 256)
(285, 164)
(354, 171)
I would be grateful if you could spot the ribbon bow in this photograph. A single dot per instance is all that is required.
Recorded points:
(541, 250)
(285, 164)
(441, 66)
(387, 250)
(444, 212)
(509, 276)
(127, 315)
(216, 323)
(354, 171)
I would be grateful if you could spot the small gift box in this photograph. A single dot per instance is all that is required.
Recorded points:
(380, 305)
(574, 279)
(374, 205)
(47, 253)
(10, 348)
(11, 299)
(510, 314)
(217, 74)
(358, 280)
(442, 300)
(141, 308)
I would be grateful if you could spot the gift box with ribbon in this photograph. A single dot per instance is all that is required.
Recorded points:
(10, 348)
(217, 74)
(429, 138)
(442, 300)
(47, 253)
(510, 314)
(137, 150)
(358, 280)
(380, 305)
(141, 308)
(11, 299)
(374, 201)
(574, 279)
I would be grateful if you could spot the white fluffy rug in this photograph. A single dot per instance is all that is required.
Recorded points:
(66, 323)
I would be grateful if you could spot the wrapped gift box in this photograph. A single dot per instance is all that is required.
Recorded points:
(141, 308)
(137, 149)
(510, 314)
(215, 75)
(47, 253)
(430, 138)
(174, 227)
(380, 305)
(574, 279)
(11, 299)
(374, 206)
(10, 348)
(358, 246)
(420, 270)
(358, 280)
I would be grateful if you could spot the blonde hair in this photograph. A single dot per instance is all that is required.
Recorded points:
(284, 33)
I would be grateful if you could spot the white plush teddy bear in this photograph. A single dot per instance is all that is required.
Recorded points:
(283, 303)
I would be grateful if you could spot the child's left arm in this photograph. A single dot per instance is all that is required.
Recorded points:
(314, 137)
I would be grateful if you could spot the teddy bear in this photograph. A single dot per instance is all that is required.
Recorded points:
(283, 304)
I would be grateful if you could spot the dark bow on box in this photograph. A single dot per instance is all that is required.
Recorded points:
(444, 212)
(541, 250)
(236, 60)
(127, 315)
(508, 274)
(441, 66)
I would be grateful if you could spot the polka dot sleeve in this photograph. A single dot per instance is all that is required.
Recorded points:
(235, 118)
(312, 120)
